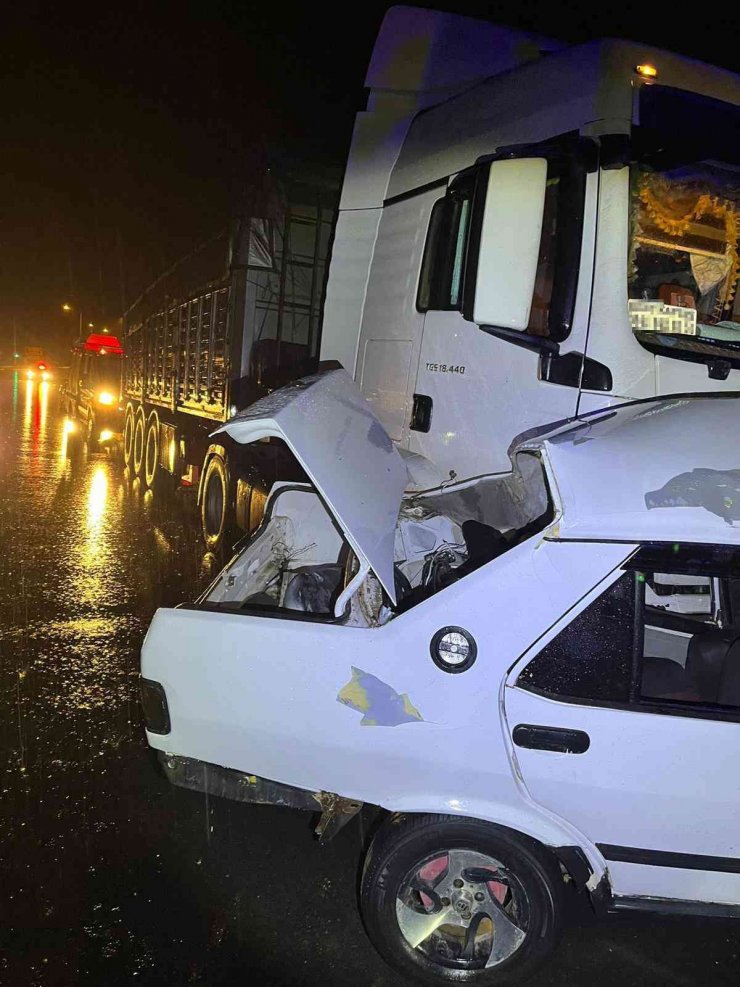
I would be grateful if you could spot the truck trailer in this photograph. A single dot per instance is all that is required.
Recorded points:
(228, 323)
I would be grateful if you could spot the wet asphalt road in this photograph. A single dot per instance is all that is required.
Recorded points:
(107, 875)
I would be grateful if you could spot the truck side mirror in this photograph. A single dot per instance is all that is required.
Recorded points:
(510, 242)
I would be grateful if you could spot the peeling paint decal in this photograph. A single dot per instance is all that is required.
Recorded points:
(379, 703)
(717, 491)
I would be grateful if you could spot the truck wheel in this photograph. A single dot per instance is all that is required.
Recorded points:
(215, 511)
(446, 898)
(128, 436)
(139, 442)
(151, 451)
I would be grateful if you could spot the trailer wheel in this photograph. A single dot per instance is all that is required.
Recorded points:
(128, 436)
(215, 510)
(451, 899)
(139, 441)
(151, 451)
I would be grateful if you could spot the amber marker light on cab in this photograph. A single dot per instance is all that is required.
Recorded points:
(647, 71)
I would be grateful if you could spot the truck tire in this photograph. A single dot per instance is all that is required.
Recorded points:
(151, 451)
(128, 436)
(215, 506)
(137, 461)
(498, 897)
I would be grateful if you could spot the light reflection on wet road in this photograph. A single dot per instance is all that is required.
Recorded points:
(108, 876)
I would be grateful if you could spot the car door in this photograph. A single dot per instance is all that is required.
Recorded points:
(630, 747)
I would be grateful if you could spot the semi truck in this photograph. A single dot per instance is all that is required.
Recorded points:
(232, 320)
(91, 391)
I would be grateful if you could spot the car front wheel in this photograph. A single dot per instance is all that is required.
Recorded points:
(447, 898)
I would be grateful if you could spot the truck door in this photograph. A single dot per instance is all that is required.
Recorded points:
(390, 335)
(632, 733)
(473, 392)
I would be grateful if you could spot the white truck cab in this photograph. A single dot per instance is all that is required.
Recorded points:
(492, 666)
(528, 231)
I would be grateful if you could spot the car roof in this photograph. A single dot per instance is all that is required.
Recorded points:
(660, 470)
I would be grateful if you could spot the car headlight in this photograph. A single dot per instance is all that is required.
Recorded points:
(105, 397)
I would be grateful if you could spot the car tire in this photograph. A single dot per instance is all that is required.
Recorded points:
(215, 508)
(137, 460)
(128, 436)
(151, 469)
(411, 855)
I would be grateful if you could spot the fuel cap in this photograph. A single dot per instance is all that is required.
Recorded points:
(453, 649)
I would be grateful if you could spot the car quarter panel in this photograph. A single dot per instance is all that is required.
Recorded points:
(365, 712)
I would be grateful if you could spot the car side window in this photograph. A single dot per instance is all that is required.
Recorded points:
(591, 658)
(687, 633)
(653, 639)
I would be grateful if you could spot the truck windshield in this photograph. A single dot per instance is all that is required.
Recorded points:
(105, 371)
(685, 227)
(683, 270)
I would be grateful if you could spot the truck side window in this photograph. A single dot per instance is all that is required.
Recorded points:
(443, 265)
(539, 315)
(591, 658)
(448, 239)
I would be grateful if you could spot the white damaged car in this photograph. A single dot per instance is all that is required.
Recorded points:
(535, 676)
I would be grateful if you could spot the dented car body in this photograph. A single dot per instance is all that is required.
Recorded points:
(553, 653)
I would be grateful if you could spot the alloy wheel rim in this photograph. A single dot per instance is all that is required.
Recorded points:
(462, 910)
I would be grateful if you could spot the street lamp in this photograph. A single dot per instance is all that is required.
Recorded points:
(66, 307)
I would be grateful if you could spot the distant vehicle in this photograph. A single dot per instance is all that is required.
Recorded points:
(91, 394)
(34, 363)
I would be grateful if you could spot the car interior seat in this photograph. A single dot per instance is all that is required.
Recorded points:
(700, 680)
(706, 658)
(663, 678)
(729, 687)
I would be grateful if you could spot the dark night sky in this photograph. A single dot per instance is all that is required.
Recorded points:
(126, 128)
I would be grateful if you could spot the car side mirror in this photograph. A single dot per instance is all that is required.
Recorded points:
(510, 243)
